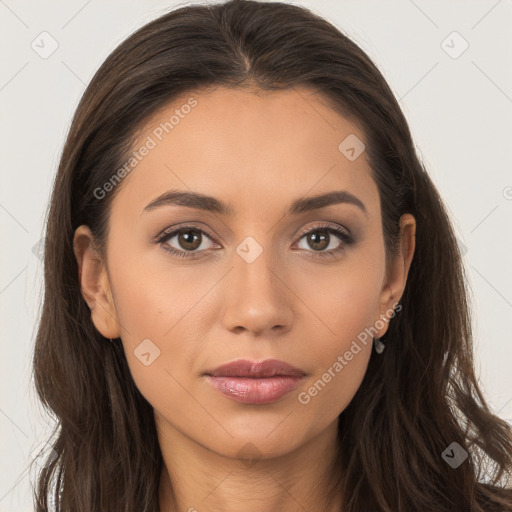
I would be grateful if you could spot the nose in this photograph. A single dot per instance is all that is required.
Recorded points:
(258, 298)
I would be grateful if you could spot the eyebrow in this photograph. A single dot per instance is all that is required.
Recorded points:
(211, 204)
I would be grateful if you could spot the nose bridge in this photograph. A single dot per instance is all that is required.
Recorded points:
(257, 297)
(253, 269)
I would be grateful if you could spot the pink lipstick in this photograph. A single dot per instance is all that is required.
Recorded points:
(255, 382)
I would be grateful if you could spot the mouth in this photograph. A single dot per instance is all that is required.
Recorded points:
(255, 382)
(255, 369)
(250, 390)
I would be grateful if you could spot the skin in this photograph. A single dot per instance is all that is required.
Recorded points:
(258, 152)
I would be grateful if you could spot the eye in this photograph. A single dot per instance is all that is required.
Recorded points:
(190, 241)
(319, 239)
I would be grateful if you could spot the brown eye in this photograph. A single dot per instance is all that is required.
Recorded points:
(189, 239)
(189, 242)
(318, 240)
(321, 238)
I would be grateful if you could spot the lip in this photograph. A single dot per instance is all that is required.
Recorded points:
(254, 382)
(256, 369)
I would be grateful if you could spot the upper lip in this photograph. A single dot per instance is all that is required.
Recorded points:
(266, 368)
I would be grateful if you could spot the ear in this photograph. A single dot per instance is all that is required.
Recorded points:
(398, 271)
(95, 283)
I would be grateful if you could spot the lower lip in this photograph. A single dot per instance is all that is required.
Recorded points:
(254, 391)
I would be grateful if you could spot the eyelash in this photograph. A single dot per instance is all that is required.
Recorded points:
(341, 233)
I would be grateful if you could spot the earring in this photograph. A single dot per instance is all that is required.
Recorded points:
(379, 345)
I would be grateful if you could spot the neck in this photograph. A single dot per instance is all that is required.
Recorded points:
(196, 479)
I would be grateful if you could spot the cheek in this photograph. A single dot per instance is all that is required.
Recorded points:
(153, 299)
(340, 302)
(162, 312)
(155, 327)
(343, 307)
(342, 347)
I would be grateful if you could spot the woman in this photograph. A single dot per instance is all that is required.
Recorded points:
(254, 296)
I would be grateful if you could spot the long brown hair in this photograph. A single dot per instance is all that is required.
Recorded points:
(416, 399)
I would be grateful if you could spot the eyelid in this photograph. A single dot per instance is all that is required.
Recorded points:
(305, 231)
(327, 225)
(178, 227)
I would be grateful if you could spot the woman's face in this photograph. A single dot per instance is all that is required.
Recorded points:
(250, 283)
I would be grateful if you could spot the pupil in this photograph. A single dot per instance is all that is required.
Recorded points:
(188, 241)
(315, 238)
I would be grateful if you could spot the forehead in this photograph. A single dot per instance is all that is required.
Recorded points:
(246, 147)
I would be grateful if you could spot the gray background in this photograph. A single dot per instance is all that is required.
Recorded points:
(458, 106)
